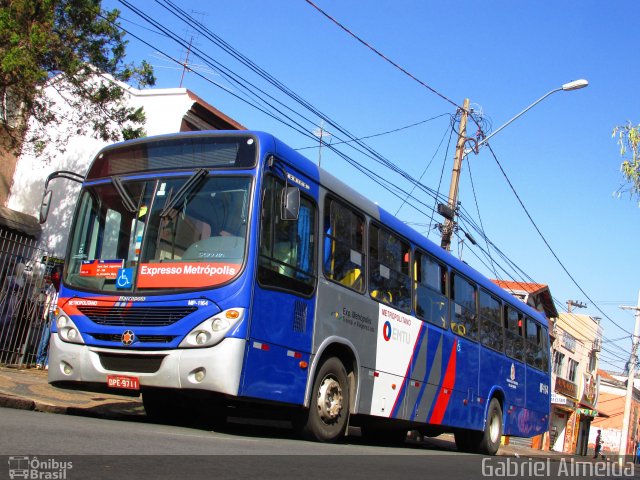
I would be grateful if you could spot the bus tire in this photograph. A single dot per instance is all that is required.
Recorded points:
(490, 441)
(486, 441)
(326, 418)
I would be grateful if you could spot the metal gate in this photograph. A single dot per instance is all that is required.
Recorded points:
(24, 273)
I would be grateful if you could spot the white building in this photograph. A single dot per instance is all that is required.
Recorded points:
(167, 111)
(578, 341)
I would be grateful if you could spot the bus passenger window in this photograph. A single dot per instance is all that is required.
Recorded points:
(514, 340)
(491, 322)
(430, 290)
(464, 320)
(389, 280)
(535, 345)
(287, 247)
(343, 253)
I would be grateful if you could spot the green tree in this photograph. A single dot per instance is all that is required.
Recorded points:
(75, 48)
(628, 137)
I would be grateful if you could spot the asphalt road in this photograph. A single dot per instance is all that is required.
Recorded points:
(43, 445)
(99, 448)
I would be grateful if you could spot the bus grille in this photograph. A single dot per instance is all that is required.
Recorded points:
(130, 363)
(135, 316)
(117, 337)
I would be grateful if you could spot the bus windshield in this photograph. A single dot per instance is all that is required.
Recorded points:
(151, 234)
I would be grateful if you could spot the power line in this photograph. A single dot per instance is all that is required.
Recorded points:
(547, 243)
(425, 169)
(475, 198)
(381, 55)
(296, 125)
(382, 133)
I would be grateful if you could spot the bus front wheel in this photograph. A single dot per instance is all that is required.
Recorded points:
(326, 419)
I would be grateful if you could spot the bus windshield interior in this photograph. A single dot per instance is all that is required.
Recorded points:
(170, 232)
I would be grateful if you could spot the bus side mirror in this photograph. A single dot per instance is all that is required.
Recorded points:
(45, 205)
(290, 203)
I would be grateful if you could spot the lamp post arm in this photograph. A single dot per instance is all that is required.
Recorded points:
(486, 139)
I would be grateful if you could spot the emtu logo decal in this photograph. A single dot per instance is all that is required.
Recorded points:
(386, 331)
(395, 334)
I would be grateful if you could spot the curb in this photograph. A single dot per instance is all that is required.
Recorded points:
(21, 403)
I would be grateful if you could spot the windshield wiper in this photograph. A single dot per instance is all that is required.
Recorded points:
(124, 195)
(186, 188)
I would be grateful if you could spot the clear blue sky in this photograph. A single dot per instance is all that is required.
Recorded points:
(502, 55)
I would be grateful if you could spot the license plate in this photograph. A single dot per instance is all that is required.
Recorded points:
(120, 381)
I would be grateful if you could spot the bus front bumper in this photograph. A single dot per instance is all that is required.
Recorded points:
(215, 369)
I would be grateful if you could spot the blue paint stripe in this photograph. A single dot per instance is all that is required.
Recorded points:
(412, 365)
(432, 348)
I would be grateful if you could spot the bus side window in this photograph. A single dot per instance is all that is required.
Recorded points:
(545, 349)
(491, 332)
(464, 321)
(343, 252)
(389, 265)
(514, 329)
(431, 302)
(287, 260)
(536, 345)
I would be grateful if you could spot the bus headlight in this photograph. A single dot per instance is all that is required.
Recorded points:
(212, 330)
(67, 330)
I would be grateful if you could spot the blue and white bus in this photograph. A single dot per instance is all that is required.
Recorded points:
(216, 268)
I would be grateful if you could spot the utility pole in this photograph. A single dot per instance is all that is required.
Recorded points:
(575, 303)
(450, 213)
(633, 359)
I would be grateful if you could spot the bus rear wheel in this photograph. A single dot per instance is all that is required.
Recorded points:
(487, 441)
(326, 419)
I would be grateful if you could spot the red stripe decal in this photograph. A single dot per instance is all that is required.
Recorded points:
(445, 389)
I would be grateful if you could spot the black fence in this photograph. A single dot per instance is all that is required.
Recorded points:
(24, 276)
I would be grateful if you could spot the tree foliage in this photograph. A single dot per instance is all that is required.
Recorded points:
(628, 137)
(76, 48)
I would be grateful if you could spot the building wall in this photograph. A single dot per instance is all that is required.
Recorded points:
(611, 406)
(164, 110)
(574, 398)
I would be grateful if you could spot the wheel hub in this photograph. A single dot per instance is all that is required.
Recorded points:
(329, 400)
(494, 429)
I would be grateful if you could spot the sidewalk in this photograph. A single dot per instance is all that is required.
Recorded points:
(28, 389)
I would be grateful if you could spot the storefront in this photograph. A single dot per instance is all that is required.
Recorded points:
(586, 411)
(564, 416)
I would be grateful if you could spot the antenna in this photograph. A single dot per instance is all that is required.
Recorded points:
(193, 34)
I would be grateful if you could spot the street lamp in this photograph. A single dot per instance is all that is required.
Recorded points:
(567, 87)
(447, 227)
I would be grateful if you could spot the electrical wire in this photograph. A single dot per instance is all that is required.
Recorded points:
(382, 133)
(364, 149)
